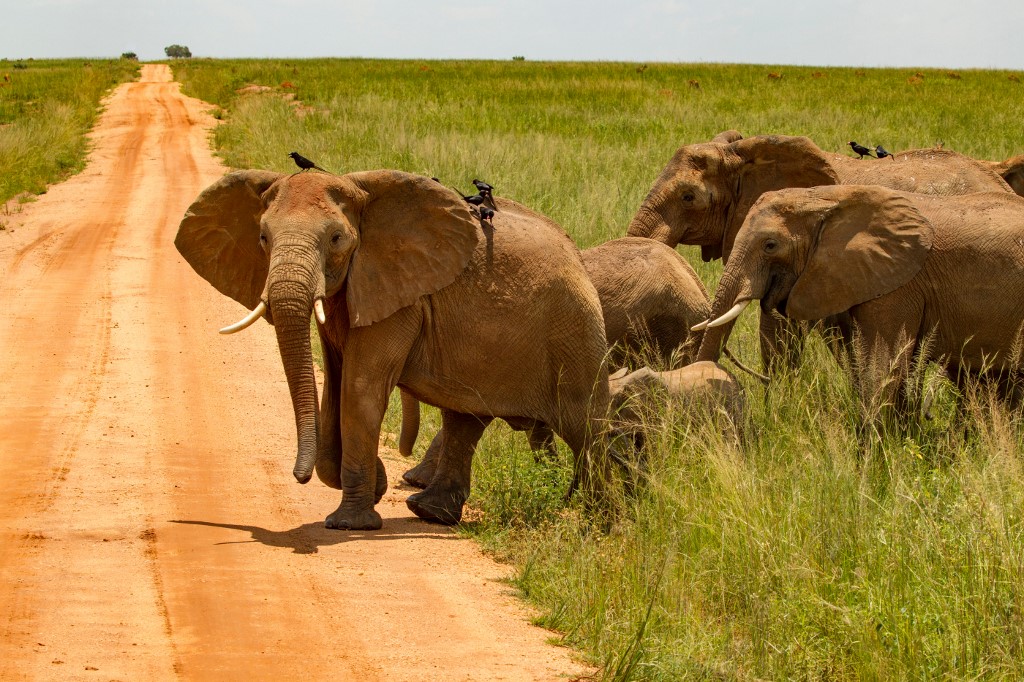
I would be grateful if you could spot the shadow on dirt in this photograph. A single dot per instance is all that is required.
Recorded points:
(310, 537)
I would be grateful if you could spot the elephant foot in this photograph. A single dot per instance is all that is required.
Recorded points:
(420, 475)
(347, 520)
(382, 482)
(443, 508)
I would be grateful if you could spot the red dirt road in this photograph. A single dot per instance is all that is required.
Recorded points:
(150, 527)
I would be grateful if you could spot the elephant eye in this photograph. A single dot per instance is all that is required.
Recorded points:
(689, 196)
(336, 239)
(770, 245)
(263, 238)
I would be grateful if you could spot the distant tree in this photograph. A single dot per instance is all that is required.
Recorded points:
(129, 55)
(177, 52)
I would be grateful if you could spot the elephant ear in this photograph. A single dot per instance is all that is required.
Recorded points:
(220, 235)
(768, 163)
(870, 243)
(1012, 171)
(727, 136)
(415, 237)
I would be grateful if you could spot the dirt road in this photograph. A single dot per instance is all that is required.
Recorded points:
(150, 527)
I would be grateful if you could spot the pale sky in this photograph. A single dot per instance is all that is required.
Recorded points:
(926, 33)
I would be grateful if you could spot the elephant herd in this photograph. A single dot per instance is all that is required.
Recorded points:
(922, 258)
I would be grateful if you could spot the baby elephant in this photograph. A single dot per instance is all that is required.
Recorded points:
(702, 388)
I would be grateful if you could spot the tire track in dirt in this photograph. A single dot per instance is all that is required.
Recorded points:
(150, 528)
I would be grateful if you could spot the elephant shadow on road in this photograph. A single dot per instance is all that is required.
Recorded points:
(310, 537)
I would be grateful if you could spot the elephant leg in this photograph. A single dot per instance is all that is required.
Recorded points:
(410, 423)
(449, 488)
(884, 358)
(366, 384)
(1011, 389)
(421, 474)
(329, 448)
(542, 441)
(782, 343)
(590, 466)
(382, 481)
(360, 467)
(539, 435)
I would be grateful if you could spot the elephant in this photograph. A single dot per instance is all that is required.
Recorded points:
(649, 294)
(919, 277)
(704, 387)
(705, 192)
(650, 297)
(410, 288)
(1010, 170)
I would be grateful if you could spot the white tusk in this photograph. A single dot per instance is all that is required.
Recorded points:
(733, 313)
(318, 308)
(247, 320)
(700, 326)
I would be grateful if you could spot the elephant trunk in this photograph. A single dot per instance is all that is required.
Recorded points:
(651, 222)
(291, 291)
(410, 424)
(731, 296)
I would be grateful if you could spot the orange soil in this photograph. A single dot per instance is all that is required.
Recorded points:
(150, 527)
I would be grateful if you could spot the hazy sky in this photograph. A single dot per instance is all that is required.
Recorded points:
(943, 33)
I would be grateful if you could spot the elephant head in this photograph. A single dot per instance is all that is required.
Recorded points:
(704, 193)
(812, 253)
(366, 243)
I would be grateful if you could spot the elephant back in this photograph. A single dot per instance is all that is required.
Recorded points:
(924, 171)
(650, 297)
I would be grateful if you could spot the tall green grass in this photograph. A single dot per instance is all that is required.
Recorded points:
(46, 108)
(801, 555)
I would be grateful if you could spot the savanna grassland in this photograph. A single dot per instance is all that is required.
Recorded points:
(46, 108)
(802, 555)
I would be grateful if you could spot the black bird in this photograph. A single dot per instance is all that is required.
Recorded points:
(304, 163)
(860, 149)
(482, 186)
(881, 152)
(475, 200)
(486, 213)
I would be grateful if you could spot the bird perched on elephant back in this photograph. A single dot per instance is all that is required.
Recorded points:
(699, 390)
(704, 194)
(919, 277)
(409, 291)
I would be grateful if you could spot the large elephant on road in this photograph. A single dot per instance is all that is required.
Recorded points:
(939, 277)
(705, 192)
(411, 289)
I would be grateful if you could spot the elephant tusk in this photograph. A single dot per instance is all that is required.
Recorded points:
(247, 320)
(318, 308)
(700, 326)
(733, 313)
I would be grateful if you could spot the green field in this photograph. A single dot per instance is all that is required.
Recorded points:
(800, 556)
(46, 108)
